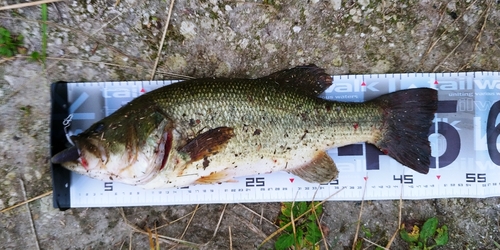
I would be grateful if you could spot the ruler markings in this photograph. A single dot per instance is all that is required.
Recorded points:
(469, 174)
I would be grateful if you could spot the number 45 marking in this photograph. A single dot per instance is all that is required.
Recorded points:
(404, 179)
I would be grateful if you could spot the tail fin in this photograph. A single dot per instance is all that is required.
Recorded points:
(408, 118)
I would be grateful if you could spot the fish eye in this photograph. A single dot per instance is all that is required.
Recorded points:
(98, 127)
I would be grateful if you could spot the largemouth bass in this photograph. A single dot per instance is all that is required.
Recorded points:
(212, 130)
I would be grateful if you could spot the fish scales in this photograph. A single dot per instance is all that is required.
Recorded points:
(291, 127)
(268, 109)
(213, 130)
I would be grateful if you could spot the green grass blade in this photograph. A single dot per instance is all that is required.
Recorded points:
(496, 244)
(44, 32)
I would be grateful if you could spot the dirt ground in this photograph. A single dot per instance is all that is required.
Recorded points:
(101, 40)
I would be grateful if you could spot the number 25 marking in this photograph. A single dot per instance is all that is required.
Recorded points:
(255, 182)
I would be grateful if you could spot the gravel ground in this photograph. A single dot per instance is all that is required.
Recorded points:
(100, 41)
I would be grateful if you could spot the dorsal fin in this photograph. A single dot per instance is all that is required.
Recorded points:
(308, 79)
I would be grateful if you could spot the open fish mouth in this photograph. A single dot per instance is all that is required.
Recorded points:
(133, 163)
(75, 154)
(68, 155)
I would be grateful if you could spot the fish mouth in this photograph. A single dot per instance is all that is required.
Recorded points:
(68, 155)
(133, 166)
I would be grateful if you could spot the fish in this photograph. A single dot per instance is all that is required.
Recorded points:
(213, 130)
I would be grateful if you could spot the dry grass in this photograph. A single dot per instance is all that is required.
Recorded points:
(26, 201)
(166, 239)
(30, 4)
(162, 39)
(437, 38)
(32, 224)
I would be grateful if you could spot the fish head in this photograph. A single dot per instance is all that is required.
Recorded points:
(129, 147)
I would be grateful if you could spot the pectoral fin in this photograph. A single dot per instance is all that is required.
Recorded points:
(208, 143)
(321, 169)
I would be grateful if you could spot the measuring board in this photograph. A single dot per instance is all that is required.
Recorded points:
(464, 138)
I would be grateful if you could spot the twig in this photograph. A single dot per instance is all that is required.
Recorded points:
(432, 45)
(388, 246)
(163, 237)
(129, 240)
(31, 216)
(230, 239)
(452, 51)
(157, 241)
(189, 223)
(180, 76)
(22, 5)
(325, 243)
(478, 36)
(121, 246)
(27, 201)
(190, 220)
(220, 220)
(261, 215)
(176, 220)
(250, 225)
(359, 217)
(153, 72)
(373, 243)
(293, 223)
(150, 238)
(112, 19)
(7, 59)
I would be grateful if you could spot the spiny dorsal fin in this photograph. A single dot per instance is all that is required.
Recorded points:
(321, 169)
(308, 79)
(208, 143)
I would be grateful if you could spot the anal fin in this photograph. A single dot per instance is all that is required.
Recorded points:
(321, 169)
(208, 143)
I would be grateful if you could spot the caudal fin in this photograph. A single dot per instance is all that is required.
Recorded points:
(408, 118)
